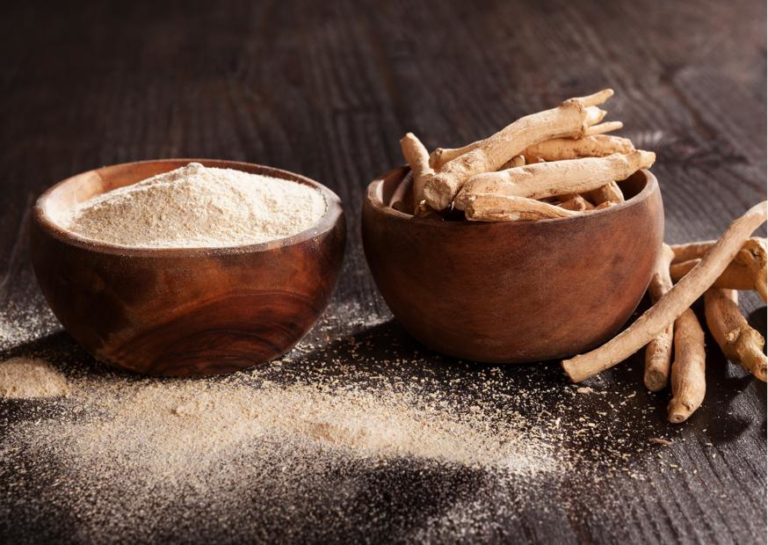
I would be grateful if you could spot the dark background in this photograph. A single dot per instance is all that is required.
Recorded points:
(327, 89)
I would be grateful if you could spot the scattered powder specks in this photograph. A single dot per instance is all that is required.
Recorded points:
(24, 315)
(353, 438)
(137, 445)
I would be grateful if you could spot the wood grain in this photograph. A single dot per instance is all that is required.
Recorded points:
(327, 89)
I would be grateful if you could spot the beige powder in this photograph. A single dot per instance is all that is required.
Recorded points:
(343, 439)
(196, 206)
(300, 449)
(26, 378)
(125, 450)
(180, 425)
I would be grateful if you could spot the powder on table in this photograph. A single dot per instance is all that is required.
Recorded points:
(25, 378)
(124, 451)
(195, 206)
(338, 441)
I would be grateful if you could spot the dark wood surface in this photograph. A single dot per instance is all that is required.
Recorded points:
(326, 89)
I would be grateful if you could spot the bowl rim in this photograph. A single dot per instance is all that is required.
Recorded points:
(326, 223)
(375, 201)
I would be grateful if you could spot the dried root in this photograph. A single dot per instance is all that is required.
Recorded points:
(516, 161)
(561, 149)
(575, 118)
(735, 276)
(417, 157)
(697, 250)
(576, 202)
(671, 305)
(754, 256)
(606, 195)
(440, 156)
(747, 272)
(488, 207)
(688, 381)
(737, 339)
(658, 353)
(544, 180)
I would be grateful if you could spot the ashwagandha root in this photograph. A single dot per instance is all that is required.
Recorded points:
(556, 149)
(697, 250)
(544, 180)
(688, 381)
(501, 208)
(440, 156)
(658, 353)
(609, 194)
(417, 157)
(735, 276)
(739, 342)
(561, 149)
(576, 117)
(671, 305)
(691, 250)
(576, 202)
(753, 257)
(516, 161)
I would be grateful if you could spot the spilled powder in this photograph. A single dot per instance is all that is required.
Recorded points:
(184, 425)
(27, 378)
(353, 437)
(197, 206)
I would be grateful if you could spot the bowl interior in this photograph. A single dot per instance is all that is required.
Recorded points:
(54, 206)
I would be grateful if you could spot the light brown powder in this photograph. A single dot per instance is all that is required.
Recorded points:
(343, 439)
(187, 423)
(196, 206)
(26, 378)
(125, 449)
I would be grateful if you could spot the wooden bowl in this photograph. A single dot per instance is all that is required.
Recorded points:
(183, 312)
(513, 292)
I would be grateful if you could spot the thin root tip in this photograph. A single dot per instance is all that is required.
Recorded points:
(596, 98)
(602, 128)
(647, 158)
(604, 94)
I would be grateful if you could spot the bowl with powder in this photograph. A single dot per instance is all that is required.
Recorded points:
(187, 267)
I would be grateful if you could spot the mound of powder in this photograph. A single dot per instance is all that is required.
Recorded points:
(25, 378)
(195, 206)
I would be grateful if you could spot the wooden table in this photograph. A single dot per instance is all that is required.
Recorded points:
(327, 89)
